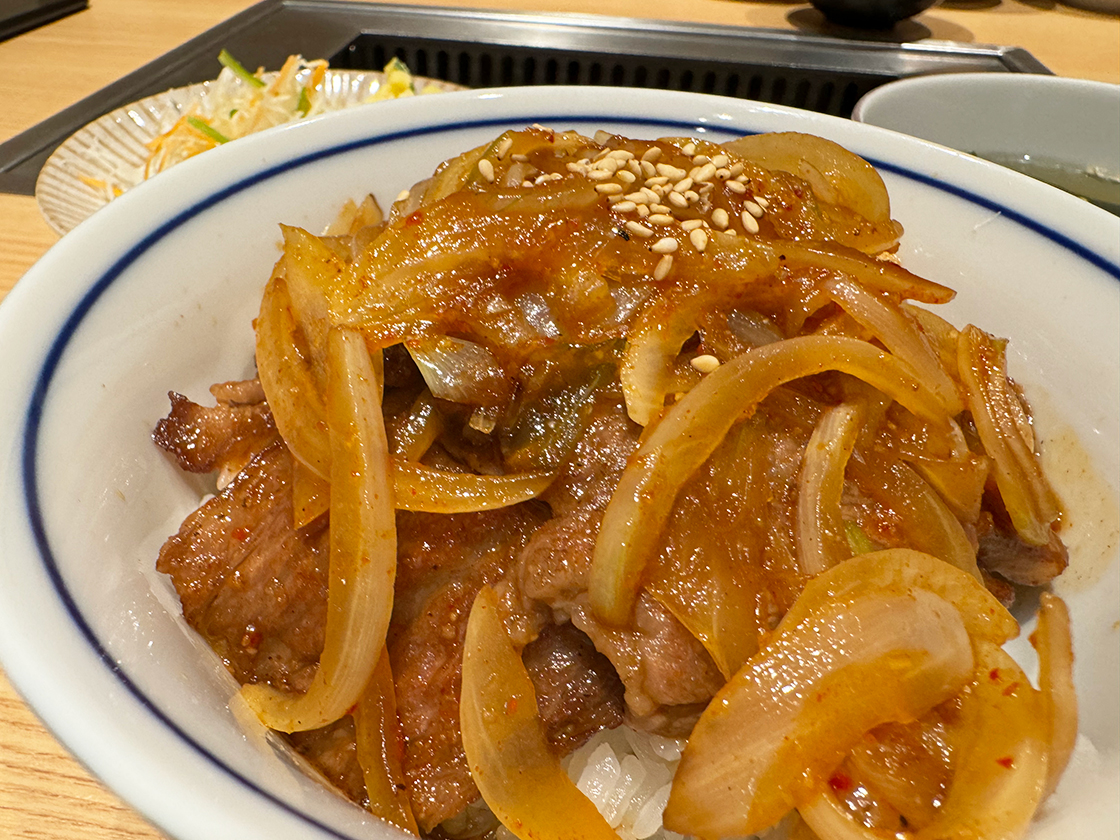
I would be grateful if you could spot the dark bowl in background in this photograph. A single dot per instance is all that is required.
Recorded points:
(870, 14)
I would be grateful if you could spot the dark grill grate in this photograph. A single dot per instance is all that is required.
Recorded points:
(488, 65)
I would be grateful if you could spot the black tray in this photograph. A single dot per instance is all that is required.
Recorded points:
(486, 49)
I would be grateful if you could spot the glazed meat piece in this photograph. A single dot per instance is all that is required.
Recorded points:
(443, 560)
(223, 437)
(333, 751)
(250, 583)
(578, 691)
(1003, 553)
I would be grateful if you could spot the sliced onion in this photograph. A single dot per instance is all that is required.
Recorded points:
(458, 370)
(692, 429)
(311, 495)
(1027, 495)
(830, 820)
(1001, 761)
(421, 488)
(414, 434)
(378, 736)
(520, 779)
(653, 343)
(773, 735)
(289, 381)
(855, 181)
(904, 569)
(363, 553)
(1054, 643)
(927, 523)
(959, 481)
(311, 270)
(875, 274)
(821, 540)
(899, 335)
(658, 332)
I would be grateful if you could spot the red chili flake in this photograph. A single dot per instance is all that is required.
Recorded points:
(993, 674)
(241, 534)
(1011, 689)
(840, 782)
(511, 706)
(1006, 762)
(414, 218)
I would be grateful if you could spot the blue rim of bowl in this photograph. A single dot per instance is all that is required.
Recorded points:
(58, 347)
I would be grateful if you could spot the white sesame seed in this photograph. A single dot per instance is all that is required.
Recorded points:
(577, 168)
(403, 195)
(648, 169)
(723, 174)
(698, 238)
(626, 176)
(736, 187)
(689, 149)
(700, 160)
(607, 164)
(742, 179)
(639, 229)
(752, 208)
(761, 202)
(637, 197)
(683, 184)
(692, 196)
(692, 224)
(660, 219)
(651, 154)
(608, 189)
(503, 147)
(651, 196)
(599, 174)
(706, 173)
(643, 211)
(660, 208)
(657, 181)
(677, 200)
(665, 245)
(486, 170)
(704, 363)
(670, 172)
(527, 183)
(664, 266)
(625, 206)
(721, 161)
(719, 218)
(519, 158)
(750, 223)
(622, 154)
(634, 166)
(736, 169)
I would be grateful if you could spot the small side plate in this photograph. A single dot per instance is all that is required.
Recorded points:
(108, 156)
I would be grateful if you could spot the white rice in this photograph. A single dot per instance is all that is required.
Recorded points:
(626, 773)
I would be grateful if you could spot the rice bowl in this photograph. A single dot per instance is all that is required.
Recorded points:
(131, 622)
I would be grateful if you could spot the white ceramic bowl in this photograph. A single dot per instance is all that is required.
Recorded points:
(1005, 117)
(157, 292)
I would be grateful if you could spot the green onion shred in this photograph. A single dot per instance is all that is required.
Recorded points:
(238, 69)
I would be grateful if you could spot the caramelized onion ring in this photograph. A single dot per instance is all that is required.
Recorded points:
(363, 554)
(692, 429)
(776, 731)
(510, 760)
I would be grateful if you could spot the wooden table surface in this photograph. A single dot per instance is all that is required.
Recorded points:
(44, 793)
